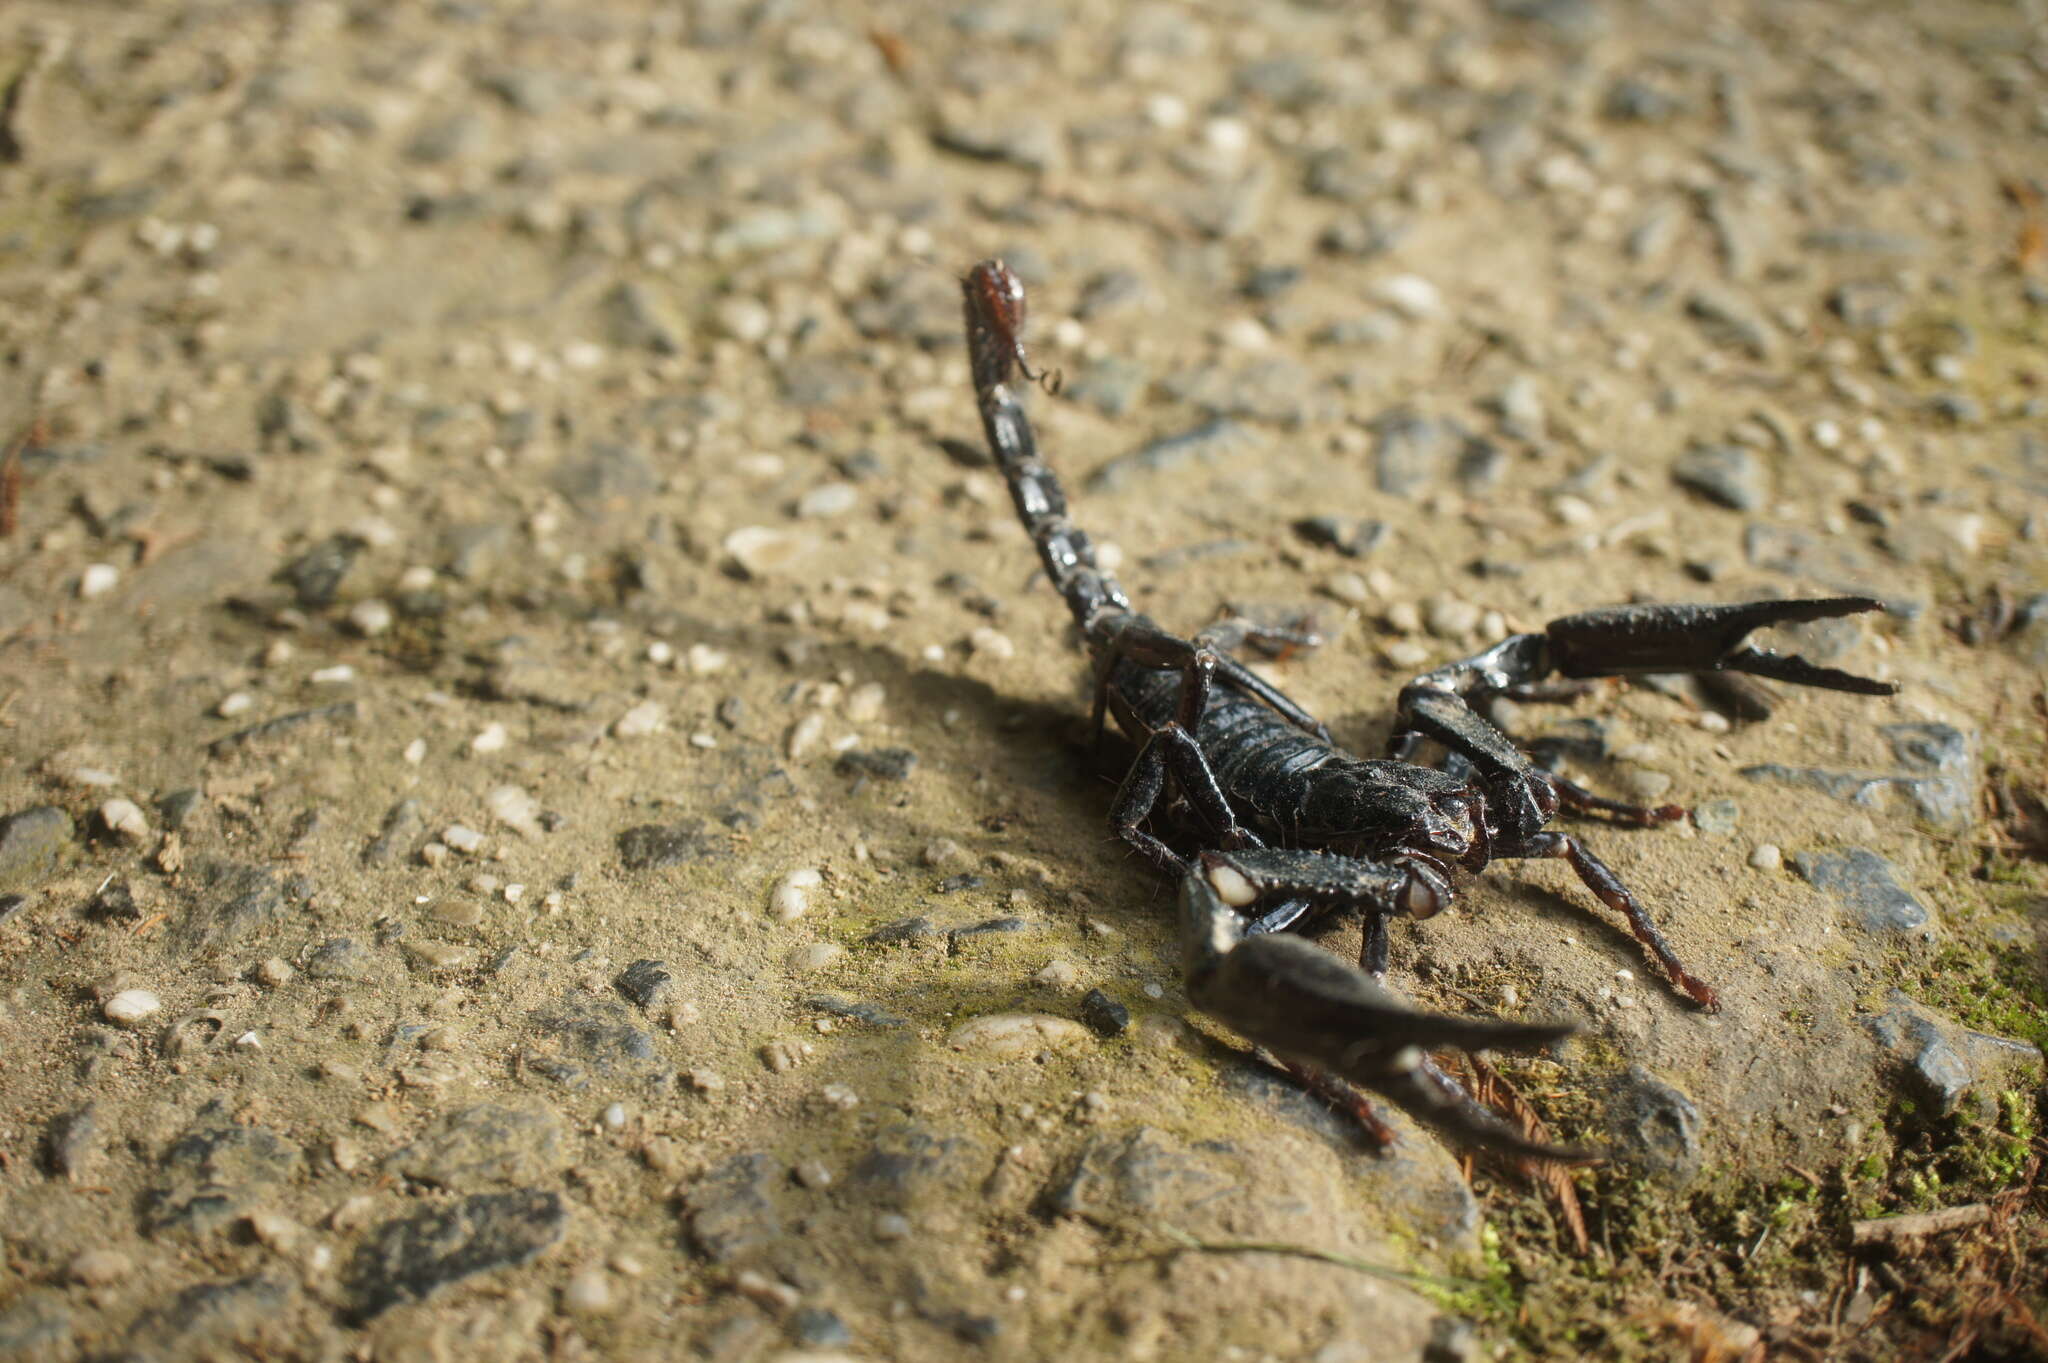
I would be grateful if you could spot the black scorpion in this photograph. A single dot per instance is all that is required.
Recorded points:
(1292, 827)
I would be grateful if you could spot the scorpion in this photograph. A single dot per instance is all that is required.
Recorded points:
(1293, 829)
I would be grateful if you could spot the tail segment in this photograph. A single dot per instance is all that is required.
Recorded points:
(995, 320)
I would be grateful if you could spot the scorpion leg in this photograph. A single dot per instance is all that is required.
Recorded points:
(1314, 1010)
(1172, 748)
(1201, 661)
(1602, 881)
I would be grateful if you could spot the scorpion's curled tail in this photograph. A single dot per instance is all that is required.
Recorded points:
(995, 350)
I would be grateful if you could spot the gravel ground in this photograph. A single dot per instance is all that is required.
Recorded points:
(544, 812)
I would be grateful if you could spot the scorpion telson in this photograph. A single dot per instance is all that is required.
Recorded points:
(1287, 828)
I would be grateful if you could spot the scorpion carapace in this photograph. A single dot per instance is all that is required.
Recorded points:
(1287, 827)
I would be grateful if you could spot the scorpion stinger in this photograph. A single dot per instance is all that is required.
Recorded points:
(1238, 793)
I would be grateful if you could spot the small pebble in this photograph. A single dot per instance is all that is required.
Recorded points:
(1766, 856)
(370, 618)
(338, 675)
(986, 642)
(98, 1267)
(235, 703)
(98, 580)
(463, 839)
(1411, 295)
(643, 719)
(1005, 1036)
(891, 1226)
(1058, 975)
(124, 819)
(792, 897)
(588, 1293)
(804, 735)
(808, 960)
(705, 660)
(829, 499)
(131, 1007)
(492, 739)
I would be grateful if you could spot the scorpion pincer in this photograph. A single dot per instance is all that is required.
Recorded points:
(1287, 828)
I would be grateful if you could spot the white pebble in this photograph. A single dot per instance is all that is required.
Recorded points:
(370, 618)
(792, 897)
(516, 809)
(839, 1096)
(864, 703)
(463, 839)
(338, 675)
(493, 738)
(661, 653)
(1245, 333)
(1166, 111)
(992, 643)
(1004, 1036)
(1058, 974)
(589, 1293)
(235, 703)
(804, 735)
(705, 660)
(514, 892)
(415, 752)
(130, 1007)
(1412, 295)
(760, 551)
(829, 499)
(98, 579)
(1766, 856)
(645, 718)
(744, 319)
(124, 818)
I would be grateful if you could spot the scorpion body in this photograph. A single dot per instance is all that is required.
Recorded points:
(1290, 827)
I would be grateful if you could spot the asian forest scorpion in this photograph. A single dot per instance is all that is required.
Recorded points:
(1290, 828)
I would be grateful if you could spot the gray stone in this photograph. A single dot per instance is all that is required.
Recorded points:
(1718, 817)
(731, 1211)
(650, 847)
(37, 1319)
(1407, 451)
(1104, 1014)
(643, 318)
(1111, 385)
(403, 824)
(213, 1175)
(857, 1010)
(342, 958)
(1139, 1176)
(1863, 881)
(71, 1142)
(32, 843)
(612, 477)
(283, 726)
(646, 983)
(207, 1320)
(882, 764)
(1944, 1061)
(1727, 322)
(902, 930)
(315, 576)
(599, 1032)
(411, 1259)
(235, 901)
(907, 1163)
(1657, 1127)
(1727, 474)
(486, 1144)
(1940, 800)
(1351, 536)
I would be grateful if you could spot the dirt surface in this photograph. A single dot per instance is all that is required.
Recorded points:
(547, 813)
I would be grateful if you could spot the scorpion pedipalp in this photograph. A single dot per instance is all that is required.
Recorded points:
(1305, 1005)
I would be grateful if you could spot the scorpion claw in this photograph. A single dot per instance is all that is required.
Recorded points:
(1307, 1006)
(1700, 638)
